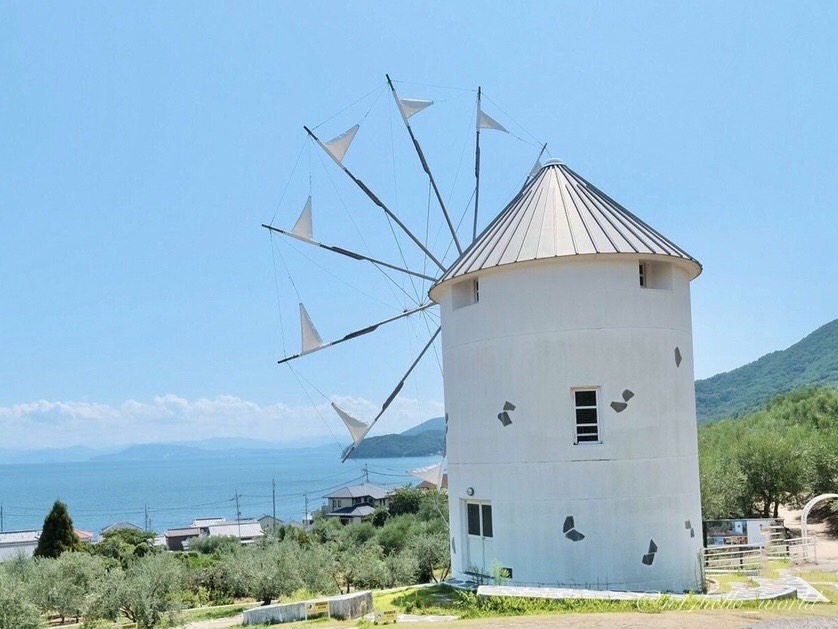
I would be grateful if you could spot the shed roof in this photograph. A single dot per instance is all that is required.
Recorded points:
(360, 491)
(184, 532)
(355, 511)
(121, 526)
(245, 529)
(19, 537)
(556, 214)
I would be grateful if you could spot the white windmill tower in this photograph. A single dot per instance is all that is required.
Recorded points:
(567, 350)
(567, 358)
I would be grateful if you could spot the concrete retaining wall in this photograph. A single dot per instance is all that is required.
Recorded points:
(353, 605)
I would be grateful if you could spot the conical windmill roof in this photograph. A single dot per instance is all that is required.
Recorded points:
(560, 214)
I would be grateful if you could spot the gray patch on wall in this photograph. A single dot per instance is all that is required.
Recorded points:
(678, 357)
(649, 557)
(453, 546)
(569, 530)
(627, 395)
(687, 524)
(619, 406)
(503, 416)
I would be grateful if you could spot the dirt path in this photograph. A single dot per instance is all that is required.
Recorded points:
(728, 619)
(827, 547)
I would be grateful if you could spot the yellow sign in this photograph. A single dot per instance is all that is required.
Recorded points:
(315, 608)
(385, 617)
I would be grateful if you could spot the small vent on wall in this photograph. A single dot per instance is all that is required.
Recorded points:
(656, 275)
(465, 293)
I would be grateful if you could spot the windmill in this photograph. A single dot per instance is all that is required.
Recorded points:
(566, 340)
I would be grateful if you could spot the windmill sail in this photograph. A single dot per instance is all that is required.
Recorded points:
(485, 121)
(311, 340)
(431, 474)
(340, 144)
(355, 426)
(303, 226)
(412, 106)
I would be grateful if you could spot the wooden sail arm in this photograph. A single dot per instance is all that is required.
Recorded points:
(317, 345)
(425, 166)
(372, 196)
(394, 393)
(348, 253)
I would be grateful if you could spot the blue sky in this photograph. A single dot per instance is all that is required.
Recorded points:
(142, 145)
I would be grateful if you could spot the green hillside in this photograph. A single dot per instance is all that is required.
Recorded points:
(389, 446)
(812, 361)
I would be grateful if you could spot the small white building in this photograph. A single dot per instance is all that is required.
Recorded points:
(569, 387)
(15, 543)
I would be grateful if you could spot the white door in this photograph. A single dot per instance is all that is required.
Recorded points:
(480, 536)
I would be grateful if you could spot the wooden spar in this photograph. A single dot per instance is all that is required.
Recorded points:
(361, 332)
(476, 166)
(425, 166)
(348, 253)
(395, 392)
(376, 200)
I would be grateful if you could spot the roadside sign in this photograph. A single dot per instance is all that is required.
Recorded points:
(317, 608)
(385, 617)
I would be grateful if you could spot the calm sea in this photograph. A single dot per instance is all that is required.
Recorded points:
(176, 491)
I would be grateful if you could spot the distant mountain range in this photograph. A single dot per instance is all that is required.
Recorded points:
(812, 361)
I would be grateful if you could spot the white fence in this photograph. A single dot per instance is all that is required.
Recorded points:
(751, 558)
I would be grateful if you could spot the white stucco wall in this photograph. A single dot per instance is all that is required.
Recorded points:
(540, 330)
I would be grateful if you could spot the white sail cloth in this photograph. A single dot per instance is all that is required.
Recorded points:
(412, 106)
(431, 474)
(357, 429)
(340, 144)
(303, 227)
(311, 340)
(485, 121)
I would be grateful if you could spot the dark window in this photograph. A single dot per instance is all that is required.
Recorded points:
(643, 276)
(487, 520)
(586, 398)
(473, 519)
(587, 416)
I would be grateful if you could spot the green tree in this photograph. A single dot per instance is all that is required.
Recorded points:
(149, 591)
(61, 585)
(268, 571)
(16, 611)
(405, 500)
(432, 554)
(125, 545)
(57, 535)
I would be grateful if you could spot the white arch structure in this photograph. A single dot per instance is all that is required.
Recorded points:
(804, 533)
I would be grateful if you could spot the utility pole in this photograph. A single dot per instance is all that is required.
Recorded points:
(273, 502)
(146, 517)
(305, 515)
(238, 516)
(366, 474)
(1, 518)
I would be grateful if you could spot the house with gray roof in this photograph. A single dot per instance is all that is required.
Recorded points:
(356, 503)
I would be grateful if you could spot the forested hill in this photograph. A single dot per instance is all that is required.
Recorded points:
(426, 439)
(812, 361)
